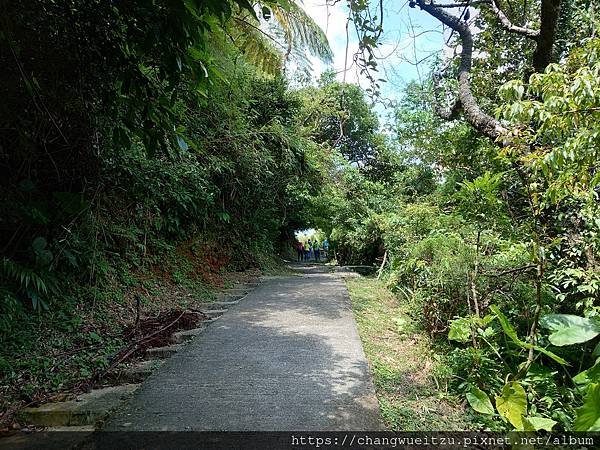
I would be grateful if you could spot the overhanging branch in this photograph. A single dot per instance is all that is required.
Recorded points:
(502, 17)
(472, 111)
(509, 26)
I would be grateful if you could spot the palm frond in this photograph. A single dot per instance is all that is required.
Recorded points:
(291, 35)
(301, 31)
(259, 48)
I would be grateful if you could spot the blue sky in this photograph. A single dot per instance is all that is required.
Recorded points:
(410, 36)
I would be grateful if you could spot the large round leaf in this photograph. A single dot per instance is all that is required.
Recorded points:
(512, 404)
(569, 329)
(479, 401)
(539, 423)
(588, 416)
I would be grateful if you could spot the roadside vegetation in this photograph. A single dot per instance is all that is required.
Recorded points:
(410, 381)
(149, 150)
(487, 225)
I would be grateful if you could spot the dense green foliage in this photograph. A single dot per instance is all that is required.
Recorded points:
(145, 138)
(139, 145)
(495, 244)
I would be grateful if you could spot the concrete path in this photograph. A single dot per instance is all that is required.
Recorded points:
(287, 357)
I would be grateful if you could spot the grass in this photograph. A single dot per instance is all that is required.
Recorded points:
(408, 380)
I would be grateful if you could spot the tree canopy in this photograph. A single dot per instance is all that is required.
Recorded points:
(145, 141)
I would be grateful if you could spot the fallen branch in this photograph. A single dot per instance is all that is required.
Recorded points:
(122, 355)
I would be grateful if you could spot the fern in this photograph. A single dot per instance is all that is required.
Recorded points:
(35, 286)
(301, 31)
(259, 48)
(291, 34)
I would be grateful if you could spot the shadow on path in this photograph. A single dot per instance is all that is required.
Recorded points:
(288, 357)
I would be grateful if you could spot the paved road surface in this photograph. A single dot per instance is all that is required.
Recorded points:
(287, 357)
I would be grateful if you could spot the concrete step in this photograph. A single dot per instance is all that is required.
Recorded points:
(86, 410)
(76, 429)
(187, 335)
(163, 352)
(226, 297)
(237, 291)
(214, 313)
(135, 373)
(216, 305)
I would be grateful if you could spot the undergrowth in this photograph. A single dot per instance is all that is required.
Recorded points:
(51, 354)
(410, 381)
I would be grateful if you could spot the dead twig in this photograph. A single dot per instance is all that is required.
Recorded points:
(134, 346)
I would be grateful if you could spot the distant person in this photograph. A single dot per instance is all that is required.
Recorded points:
(326, 248)
(316, 250)
(300, 251)
(307, 250)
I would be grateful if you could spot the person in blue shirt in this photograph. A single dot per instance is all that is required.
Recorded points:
(326, 248)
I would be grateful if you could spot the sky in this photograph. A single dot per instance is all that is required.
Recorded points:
(411, 38)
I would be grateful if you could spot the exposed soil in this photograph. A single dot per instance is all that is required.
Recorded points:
(157, 302)
(164, 325)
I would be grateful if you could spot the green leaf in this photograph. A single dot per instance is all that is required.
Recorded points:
(591, 375)
(594, 372)
(588, 416)
(549, 354)
(479, 401)
(512, 334)
(506, 326)
(569, 329)
(581, 378)
(95, 337)
(539, 423)
(596, 351)
(460, 330)
(39, 244)
(512, 404)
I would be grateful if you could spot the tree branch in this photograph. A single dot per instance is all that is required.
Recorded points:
(461, 4)
(545, 43)
(509, 26)
(472, 111)
(542, 56)
(502, 17)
